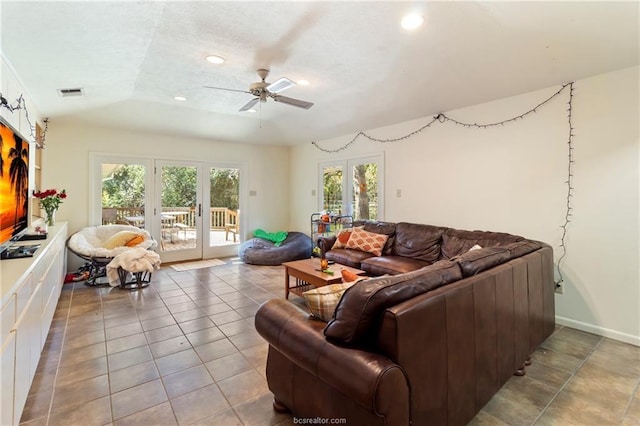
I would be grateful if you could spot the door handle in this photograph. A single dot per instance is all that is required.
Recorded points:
(199, 210)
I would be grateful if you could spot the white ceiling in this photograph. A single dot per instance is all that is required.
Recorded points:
(132, 58)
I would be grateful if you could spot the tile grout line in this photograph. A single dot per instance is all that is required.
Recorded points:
(567, 381)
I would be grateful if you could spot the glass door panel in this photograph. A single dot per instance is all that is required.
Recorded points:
(123, 193)
(364, 191)
(179, 215)
(222, 220)
(332, 198)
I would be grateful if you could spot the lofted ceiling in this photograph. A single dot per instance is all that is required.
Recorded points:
(132, 57)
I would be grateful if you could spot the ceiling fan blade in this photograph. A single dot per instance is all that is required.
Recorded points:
(249, 104)
(281, 84)
(290, 101)
(228, 90)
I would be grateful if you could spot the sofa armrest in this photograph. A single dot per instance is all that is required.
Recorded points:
(371, 380)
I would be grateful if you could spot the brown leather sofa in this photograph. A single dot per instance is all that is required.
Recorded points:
(425, 347)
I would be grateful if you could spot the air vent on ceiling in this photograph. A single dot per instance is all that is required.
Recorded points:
(70, 92)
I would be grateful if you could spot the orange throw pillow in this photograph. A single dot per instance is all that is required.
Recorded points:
(369, 242)
(343, 237)
(135, 241)
(348, 276)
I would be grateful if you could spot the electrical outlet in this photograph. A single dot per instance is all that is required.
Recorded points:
(398, 193)
(313, 192)
(560, 287)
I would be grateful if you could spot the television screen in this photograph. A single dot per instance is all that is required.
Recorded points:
(14, 185)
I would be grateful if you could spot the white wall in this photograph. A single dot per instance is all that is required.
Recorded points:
(512, 178)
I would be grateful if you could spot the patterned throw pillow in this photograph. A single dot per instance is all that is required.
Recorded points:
(343, 237)
(322, 301)
(369, 242)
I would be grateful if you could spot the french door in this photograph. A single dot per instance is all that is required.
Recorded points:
(191, 209)
(353, 187)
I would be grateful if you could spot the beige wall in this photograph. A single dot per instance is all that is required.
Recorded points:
(512, 178)
(66, 165)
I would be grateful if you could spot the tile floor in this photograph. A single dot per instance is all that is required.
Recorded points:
(184, 351)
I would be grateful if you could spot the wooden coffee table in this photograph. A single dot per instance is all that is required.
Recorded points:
(308, 276)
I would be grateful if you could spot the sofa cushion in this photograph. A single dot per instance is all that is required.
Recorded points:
(521, 248)
(366, 241)
(456, 242)
(351, 258)
(420, 242)
(391, 265)
(120, 239)
(476, 261)
(360, 309)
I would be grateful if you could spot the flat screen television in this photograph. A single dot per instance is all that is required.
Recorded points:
(14, 185)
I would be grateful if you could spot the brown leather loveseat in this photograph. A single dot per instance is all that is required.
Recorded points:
(426, 347)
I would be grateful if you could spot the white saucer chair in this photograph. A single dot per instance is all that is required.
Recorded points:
(98, 245)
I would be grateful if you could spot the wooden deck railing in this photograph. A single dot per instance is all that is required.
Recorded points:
(220, 218)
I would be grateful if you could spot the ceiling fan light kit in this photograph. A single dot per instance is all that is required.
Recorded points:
(262, 90)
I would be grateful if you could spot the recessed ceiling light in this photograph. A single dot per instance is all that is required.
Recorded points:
(303, 82)
(179, 98)
(412, 21)
(215, 59)
(251, 110)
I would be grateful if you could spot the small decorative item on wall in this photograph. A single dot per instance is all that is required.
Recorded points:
(50, 201)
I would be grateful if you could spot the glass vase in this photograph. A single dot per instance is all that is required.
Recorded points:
(51, 218)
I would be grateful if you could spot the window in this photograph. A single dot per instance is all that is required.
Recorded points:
(353, 187)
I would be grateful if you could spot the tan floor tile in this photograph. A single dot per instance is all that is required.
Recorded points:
(37, 405)
(81, 391)
(73, 356)
(485, 419)
(197, 324)
(256, 355)
(137, 398)
(559, 360)
(96, 412)
(247, 339)
(147, 314)
(158, 322)
(189, 315)
(548, 375)
(217, 308)
(124, 343)
(177, 361)
(225, 317)
(132, 376)
(163, 333)
(123, 330)
(259, 411)
(129, 357)
(186, 381)
(236, 327)
(199, 404)
(82, 370)
(42, 382)
(158, 415)
(243, 386)
(169, 346)
(214, 350)
(207, 335)
(228, 366)
(602, 379)
(225, 418)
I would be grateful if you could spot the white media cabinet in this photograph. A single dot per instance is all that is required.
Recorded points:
(30, 291)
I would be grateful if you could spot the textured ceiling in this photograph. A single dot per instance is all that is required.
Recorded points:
(132, 58)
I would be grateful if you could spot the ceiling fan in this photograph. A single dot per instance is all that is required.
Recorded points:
(263, 90)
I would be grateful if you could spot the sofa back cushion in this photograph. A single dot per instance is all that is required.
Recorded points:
(456, 242)
(476, 261)
(359, 312)
(421, 242)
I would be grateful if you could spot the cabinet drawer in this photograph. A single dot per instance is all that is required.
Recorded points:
(24, 294)
(7, 318)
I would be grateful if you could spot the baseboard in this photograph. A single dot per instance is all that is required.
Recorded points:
(600, 331)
